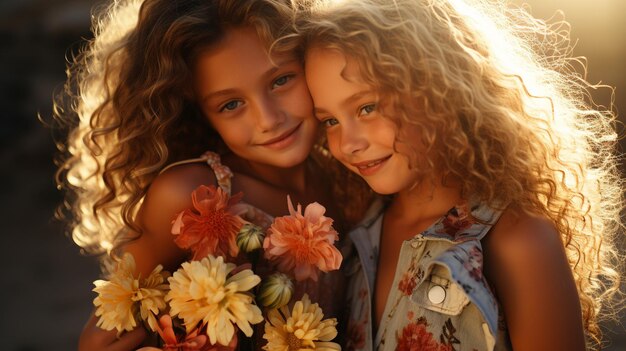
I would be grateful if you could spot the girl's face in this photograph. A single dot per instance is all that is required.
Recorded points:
(358, 134)
(262, 110)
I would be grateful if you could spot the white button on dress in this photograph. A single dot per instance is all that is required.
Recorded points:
(436, 294)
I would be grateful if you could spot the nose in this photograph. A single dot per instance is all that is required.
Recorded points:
(353, 139)
(269, 114)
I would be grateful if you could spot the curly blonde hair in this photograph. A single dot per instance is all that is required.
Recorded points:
(501, 108)
(130, 108)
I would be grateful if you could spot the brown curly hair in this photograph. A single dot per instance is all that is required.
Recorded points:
(501, 108)
(131, 111)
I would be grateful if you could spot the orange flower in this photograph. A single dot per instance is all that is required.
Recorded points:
(192, 341)
(303, 244)
(211, 227)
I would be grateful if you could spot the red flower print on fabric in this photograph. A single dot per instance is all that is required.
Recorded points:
(456, 220)
(415, 337)
(356, 335)
(407, 284)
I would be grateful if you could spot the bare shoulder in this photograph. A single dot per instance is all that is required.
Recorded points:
(524, 236)
(526, 264)
(523, 250)
(167, 196)
(171, 191)
(180, 181)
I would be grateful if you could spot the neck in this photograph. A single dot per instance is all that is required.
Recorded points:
(427, 200)
(292, 179)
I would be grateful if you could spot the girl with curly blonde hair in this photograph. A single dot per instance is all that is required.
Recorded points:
(504, 188)
(162, 82)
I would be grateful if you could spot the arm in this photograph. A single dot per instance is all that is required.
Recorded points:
(169, 194)
(93, 338)
(526, 264)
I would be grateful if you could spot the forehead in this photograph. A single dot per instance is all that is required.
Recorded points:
(332, 61)
(241, 55)
(333, 78)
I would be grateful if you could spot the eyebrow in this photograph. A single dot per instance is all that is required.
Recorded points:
(218, 93)
(267, 73)
(354, 97)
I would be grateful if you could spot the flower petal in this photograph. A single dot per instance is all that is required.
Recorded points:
(314, 212)
(177, 224)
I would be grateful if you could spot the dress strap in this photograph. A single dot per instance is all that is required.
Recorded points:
(464, 222)
(223, 174)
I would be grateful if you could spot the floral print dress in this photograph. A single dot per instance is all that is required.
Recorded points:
(439, 300)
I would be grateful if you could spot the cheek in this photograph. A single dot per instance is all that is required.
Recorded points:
(334, 143)
(233, 134)
(384, 131)
(410, 143)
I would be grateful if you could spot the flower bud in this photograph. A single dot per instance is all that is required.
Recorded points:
(250, 238)
(276, 291)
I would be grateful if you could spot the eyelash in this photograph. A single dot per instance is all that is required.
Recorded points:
(326, 122)
(287, 78)
(225, 108)
(362, 109)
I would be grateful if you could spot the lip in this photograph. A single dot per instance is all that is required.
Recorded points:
(370, 167)
(284, 140)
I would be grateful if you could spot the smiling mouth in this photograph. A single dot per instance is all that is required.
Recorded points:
(369, 164)
(370, 167)
(282, 140)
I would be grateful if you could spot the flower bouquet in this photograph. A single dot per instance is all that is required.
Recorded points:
(214, 296)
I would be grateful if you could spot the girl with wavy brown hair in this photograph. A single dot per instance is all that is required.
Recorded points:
(505, 192)
(162, 82)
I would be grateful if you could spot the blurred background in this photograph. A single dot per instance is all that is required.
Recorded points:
(46, 282)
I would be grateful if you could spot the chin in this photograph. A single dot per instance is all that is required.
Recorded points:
(289, 159)
(384, 192)
(382, 188)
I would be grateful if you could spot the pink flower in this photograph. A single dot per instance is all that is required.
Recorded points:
(211, 227)
(303, 244)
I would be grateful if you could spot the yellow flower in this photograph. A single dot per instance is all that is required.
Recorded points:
(122, 297)
(201, 291)
(276, 291)
(300, 329)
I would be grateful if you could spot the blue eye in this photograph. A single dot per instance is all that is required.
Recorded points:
(329, 122)
(367, 109)
(282, 80)
(231, 105)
